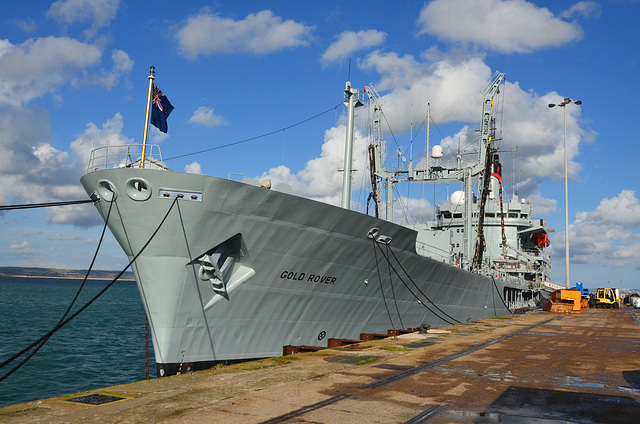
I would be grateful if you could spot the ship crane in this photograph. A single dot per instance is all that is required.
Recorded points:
(486, 136)
(466, 174)
(377, 152)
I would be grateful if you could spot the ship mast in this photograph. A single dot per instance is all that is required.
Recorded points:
(352, 102)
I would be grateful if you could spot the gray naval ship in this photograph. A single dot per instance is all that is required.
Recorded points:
(236, 270)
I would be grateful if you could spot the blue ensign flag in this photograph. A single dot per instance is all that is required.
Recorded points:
(160, 109)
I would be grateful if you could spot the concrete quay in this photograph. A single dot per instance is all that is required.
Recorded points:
(540, 367)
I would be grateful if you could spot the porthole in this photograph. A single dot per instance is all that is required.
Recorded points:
(138, 189)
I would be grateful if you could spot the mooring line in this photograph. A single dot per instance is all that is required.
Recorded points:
(423, 367)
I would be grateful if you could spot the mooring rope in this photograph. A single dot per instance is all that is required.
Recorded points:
(380, 280)
(45, 205)
(64, 322)
(47, 337)
(418, 288)
(414, 295)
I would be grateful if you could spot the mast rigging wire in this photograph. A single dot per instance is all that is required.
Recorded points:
(256, 137)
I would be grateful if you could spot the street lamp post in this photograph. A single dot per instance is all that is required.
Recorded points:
(563, 105)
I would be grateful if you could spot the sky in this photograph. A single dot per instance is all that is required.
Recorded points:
(258, 88)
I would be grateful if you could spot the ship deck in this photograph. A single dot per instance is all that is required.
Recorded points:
(540, 366)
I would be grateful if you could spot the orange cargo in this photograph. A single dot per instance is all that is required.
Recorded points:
(565, 300)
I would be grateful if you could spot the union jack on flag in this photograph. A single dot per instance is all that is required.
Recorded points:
(160, 109)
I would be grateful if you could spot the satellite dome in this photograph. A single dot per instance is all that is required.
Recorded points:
(436, 152)
(457, 197)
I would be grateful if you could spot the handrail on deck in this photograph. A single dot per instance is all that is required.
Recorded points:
(125, 156)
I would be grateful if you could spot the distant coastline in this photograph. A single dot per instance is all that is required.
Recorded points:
(71, 274)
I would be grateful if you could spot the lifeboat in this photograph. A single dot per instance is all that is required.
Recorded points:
(541, 240)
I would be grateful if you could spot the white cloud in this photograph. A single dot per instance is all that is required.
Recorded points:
(350, 42)
(99, 13)
(122, 65)
(27, 25)
(42, 172)
(193, 168)
(34, 68)
(410, 211)
(21, 248)
(608, 235)
(20, 130)
(206, 116)
(93, 137)
(509, 26)
(260, 33)
(319, 180)
(453, 88)
(582, 8)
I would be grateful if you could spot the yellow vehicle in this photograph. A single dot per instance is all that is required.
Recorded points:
(607, 298)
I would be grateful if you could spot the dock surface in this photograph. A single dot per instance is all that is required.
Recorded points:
(538, 367)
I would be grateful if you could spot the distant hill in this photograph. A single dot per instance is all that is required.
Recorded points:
(17, 271)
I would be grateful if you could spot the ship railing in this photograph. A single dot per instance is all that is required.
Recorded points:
(126, 156)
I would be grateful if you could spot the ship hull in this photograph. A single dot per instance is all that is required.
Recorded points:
(299, 272)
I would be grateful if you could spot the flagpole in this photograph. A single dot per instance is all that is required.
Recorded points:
(146, 116)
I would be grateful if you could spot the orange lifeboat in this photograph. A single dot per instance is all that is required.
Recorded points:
(541, 240)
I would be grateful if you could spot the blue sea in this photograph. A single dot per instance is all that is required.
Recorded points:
(103, 346)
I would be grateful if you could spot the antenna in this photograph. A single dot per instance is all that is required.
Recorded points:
(349, 73)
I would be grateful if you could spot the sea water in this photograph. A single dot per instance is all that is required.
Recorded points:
(103, 346)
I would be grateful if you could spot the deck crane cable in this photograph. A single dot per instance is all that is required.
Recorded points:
(257, 136)
(64, 322)
(418, 288)
(414, 295)
(380, 280)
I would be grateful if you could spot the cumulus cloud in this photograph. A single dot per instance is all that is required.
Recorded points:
(193, 168)
(319, 179)
(259, 33)
(454, 89)
(37, 66)
(508, 26)
(582, 9)
(608, 235)
(206, 117)
(93, 137)
(121, 65)
(27, 25)
(350, 42)
(98, 13)
(20, 130)
(21, 248)
(34, 171)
